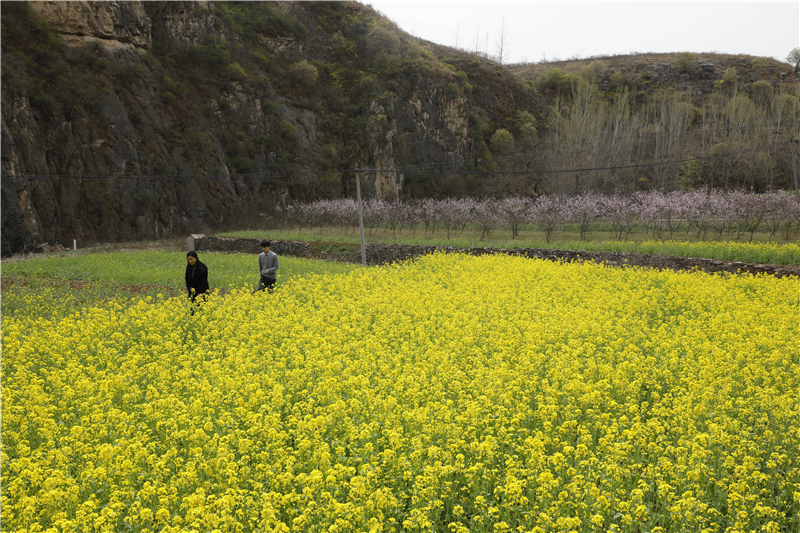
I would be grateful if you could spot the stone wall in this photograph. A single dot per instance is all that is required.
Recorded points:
(378, 254)
(253, 246)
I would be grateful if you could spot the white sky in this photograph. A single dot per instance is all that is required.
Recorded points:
(566, 29)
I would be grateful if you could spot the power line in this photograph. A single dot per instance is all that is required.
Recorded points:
(446, 169)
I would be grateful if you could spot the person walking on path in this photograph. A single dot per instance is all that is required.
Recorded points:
(267, 267)
(196, 276)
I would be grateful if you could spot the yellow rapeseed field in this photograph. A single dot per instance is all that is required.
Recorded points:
(451, 394)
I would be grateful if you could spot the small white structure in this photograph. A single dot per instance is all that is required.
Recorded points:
(194, 241)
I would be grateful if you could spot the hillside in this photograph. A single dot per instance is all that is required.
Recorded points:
(144, 119)
(136, 120)
(667, 122)
(651, 72)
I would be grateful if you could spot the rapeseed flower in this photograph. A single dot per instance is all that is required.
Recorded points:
(450, 393)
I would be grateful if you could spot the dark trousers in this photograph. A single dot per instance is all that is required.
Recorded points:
(266, 283)
(197, 299)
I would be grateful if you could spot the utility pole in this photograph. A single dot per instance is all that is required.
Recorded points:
(794, 166)
(361, 218)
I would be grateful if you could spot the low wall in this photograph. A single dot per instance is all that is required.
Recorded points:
(378, 254)
(253, 246)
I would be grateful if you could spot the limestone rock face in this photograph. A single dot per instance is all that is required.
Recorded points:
(126, 22)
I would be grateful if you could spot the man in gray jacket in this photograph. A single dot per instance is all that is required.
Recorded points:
(268, 267)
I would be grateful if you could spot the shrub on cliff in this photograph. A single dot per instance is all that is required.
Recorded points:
(729, 76)
(684, 62)
(236, 72)
(303, 74)
(213, 52)
(383, 45)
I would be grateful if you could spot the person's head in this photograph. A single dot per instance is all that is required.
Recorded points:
(191, 257)
(265, 244)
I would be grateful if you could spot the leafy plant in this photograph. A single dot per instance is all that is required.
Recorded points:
(684, 62)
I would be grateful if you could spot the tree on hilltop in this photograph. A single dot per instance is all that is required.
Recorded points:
(794, 57)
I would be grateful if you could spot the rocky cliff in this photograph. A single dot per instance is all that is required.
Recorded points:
(135, 120)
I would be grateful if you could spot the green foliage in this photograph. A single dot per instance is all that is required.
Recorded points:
(502, 142)
(270, 107)
(794, 58)
(684, 62)
(288, 129)
(619, 79)
(303, 74)
(329, 185)
(425, 53)
(240, 164)
(690, 176)
(383, 45)
(170, 85)
(92, 56)
(478, 120)
(199, 141)
(761, 92)
(759, 65)
(462, 78)
(34, 61)
(212, 53)
(262, 60)
(483, 151)
(162, 167)
(453, 90)
(129, 72)
(527, 126)
(264, 82)
(553, 78)
(528, 132)
(788, 103)
(729, 76)
(44, 101)
(344, 49)
(224, 103)
(251, 19)
(150, 60)
(236, 71)
(159, 269)
(240, 149)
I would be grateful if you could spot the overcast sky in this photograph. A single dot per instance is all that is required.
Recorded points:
(565, 30)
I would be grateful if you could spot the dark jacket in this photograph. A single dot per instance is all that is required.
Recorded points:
(196, 278)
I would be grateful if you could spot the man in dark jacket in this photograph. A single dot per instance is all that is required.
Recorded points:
(196, 276)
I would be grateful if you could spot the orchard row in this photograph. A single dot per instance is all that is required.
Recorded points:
(706, 213)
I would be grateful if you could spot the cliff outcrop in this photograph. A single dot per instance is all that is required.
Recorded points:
(136, 120)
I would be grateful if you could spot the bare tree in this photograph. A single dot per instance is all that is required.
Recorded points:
(502, 43)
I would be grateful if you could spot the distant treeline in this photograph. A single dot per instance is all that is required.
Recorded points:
(593, 141)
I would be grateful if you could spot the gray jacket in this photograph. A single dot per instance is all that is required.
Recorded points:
(269, 263)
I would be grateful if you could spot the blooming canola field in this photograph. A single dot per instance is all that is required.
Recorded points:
(450, 393)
